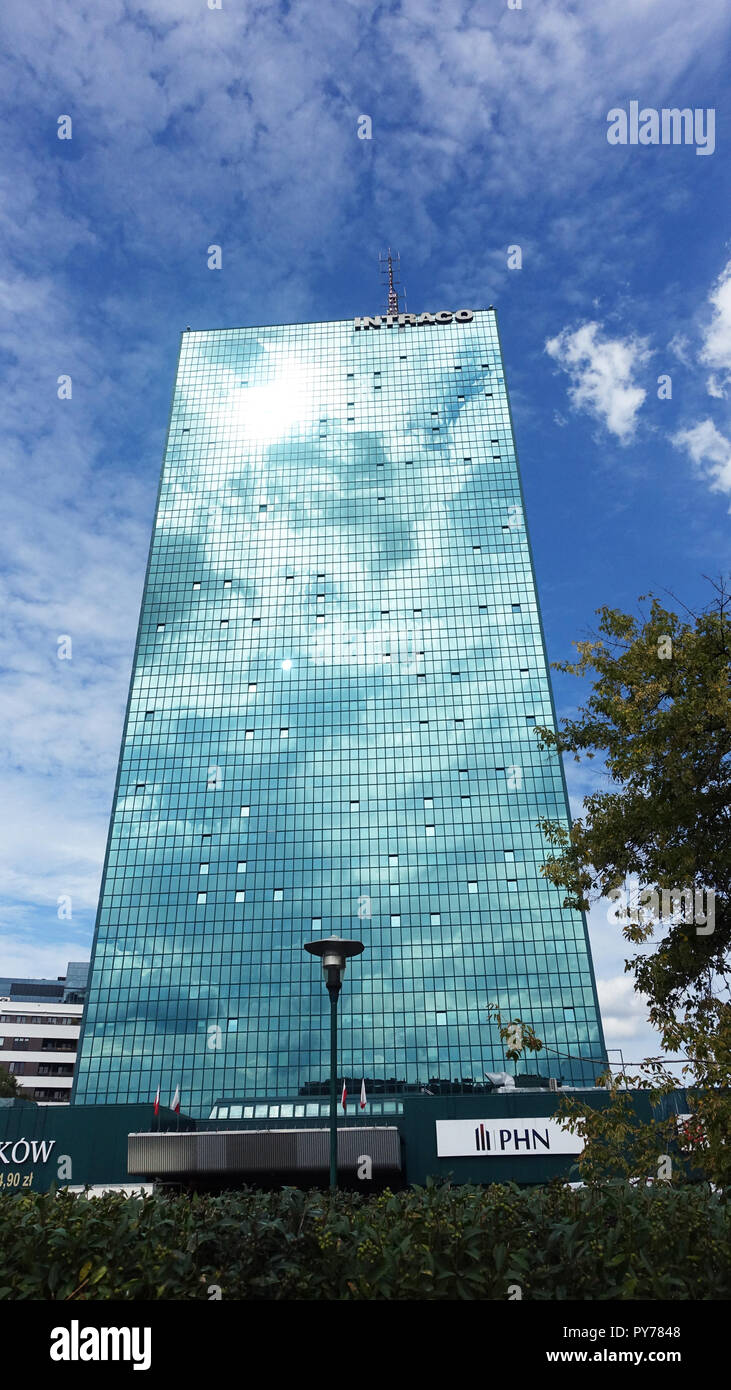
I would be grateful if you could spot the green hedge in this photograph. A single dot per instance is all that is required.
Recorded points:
(614, 1242)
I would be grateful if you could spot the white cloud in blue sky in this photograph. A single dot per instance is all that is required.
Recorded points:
(603, 373)
(709, 450)
(716, 350)
(239, 127)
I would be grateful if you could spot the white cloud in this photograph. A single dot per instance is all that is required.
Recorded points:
(679, 345)
(716, 350)
(32, 961)
(625, 1020)
(628, 1035)
(709, 450)
(624, 1011)
(601, 371)
(708, 447)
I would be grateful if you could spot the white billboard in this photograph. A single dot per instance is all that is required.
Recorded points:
(533, 1137)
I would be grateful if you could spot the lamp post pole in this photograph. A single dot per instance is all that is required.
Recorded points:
(334, 952)
(333, 990)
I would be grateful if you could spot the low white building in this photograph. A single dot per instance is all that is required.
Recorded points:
(38, 1045)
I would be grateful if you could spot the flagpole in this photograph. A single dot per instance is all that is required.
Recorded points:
(175, 1105)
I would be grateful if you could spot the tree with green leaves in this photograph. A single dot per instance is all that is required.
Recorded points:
(518, 1036)
(10, 1088)
(659, 717)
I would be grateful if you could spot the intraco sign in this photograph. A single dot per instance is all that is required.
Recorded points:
(534, 1137)
(415, 320)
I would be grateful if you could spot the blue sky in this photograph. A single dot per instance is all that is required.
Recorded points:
(238, 127)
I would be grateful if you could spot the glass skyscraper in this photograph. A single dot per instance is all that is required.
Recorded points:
(338, 672)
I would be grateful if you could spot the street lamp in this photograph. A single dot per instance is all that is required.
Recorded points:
(334, 952)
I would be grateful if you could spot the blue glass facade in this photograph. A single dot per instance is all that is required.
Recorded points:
(338, 670)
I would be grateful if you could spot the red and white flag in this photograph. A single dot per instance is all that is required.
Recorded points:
(156, 1108)
(362, 1094)
(176, 1100)
(344, 1097)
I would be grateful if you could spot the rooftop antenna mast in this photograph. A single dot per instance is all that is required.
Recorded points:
(390, 267)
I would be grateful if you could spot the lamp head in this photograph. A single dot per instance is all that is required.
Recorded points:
(334, 952)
